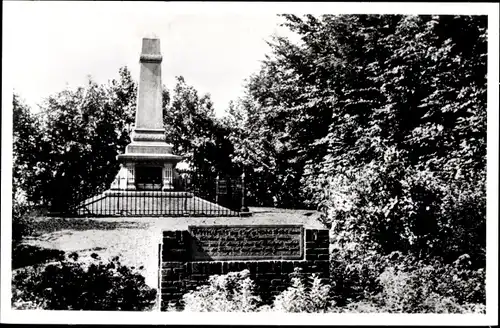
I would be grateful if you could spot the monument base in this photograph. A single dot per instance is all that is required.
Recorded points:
(148, 163)
(143, 203)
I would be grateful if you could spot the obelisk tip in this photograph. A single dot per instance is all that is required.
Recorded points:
(151, 35)
(151, 46)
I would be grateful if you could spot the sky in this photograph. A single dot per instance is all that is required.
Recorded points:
(215, 46)
(58, 44)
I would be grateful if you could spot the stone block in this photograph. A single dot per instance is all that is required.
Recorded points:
(324, 257)
(225, 267)
(263, 267)
(310, 245)
(311, 257)
(168, 274)
(252, 267)
(169, 234)
(215, 268)
(276, 282)
(199, 268)
(198, 277)
(167, 289)
(286, 267)
(323, 267)
(174, 255)
(172, 264)
(276, 267)
(310, 235)
(233, 266)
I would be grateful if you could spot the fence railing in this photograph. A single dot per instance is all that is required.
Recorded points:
(190, 195)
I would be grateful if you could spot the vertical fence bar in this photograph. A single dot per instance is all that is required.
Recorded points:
(244, 208)
(143, 201)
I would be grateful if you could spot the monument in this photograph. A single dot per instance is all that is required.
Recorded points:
(148, 162)
(147, 183)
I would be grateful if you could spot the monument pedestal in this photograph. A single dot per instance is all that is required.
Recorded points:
(148, 163)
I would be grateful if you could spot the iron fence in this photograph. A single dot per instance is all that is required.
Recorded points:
(191, 194)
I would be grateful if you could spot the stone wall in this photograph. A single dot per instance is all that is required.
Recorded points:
(270, 253)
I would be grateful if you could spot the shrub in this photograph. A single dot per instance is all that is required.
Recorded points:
(405, 292)
(235, 292)
(304, 295)
(403, 283)
(232, 292)
(26, 255)
(354, 274)
(399, 283)
(70, 285)
(21, 221)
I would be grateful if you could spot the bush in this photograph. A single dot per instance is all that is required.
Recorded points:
(21, 221)
(233, 292)
(70, 285)
(394, 283)
(354, 274)
(26, 255)
(401, 283)
(304, 295)
(404, 292)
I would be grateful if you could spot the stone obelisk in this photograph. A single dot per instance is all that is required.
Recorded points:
(148, 149)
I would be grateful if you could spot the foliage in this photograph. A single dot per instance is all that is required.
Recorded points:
(403, 283)
(69, 151)
(424, 216)
(233, 292)
(197, 135)
(405, 291)
(380, 120)
(21, 221)
(304, 295)
(26, 142)
(70, 285)
(27, 255)
(395, 283)
(384, 114)
(412, 292)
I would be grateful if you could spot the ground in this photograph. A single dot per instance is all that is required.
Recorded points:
(135, 240)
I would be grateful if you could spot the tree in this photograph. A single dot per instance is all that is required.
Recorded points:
(26, 142)
(381, 120)
(197, 135)
(123, 93)
(80, 134)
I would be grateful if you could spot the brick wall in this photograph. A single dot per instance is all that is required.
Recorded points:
(181, 273)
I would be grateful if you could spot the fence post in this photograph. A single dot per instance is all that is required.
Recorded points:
(244, 208)
(217, 190)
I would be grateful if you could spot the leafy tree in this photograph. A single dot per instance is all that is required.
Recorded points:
(197, 135)
(81, 132)
(26, 142)
(123, 94)
(404, 156)
(380, 120)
